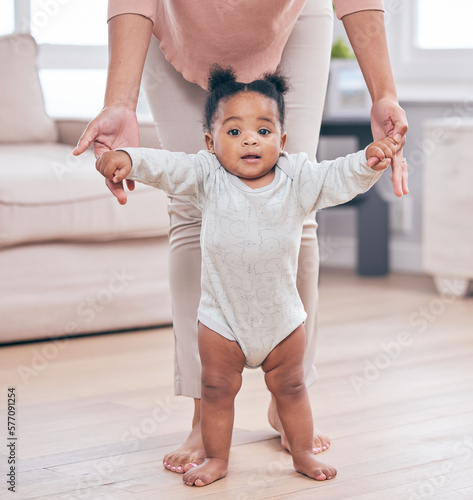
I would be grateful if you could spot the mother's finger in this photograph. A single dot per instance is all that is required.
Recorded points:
(399, 175)
(117, 190)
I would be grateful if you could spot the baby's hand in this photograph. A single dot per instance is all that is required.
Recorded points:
(380, 153)
(114, 165)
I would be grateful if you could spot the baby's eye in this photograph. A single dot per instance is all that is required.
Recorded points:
(264, 131)
(234, 131)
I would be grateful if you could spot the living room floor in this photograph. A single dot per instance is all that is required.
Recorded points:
(96, 414)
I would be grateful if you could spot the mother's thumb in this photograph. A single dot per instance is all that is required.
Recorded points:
(400, 131)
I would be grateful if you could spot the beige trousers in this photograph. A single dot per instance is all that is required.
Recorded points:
(177, 108)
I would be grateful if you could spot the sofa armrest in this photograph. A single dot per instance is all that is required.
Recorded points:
(70, 130)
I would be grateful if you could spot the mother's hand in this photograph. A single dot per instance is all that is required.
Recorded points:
(113, 128)
(389, 119)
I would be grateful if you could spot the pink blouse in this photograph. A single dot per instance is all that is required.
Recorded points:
(196, 34)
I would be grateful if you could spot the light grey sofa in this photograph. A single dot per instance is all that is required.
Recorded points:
(72, 260)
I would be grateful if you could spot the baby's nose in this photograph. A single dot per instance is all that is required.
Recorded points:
(250, 139)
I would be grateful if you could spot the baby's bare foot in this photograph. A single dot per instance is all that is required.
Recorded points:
(191, 451)
(211, 470)
(321, 441)
(307, 464)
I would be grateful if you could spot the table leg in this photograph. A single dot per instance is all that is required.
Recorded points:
(373, 235)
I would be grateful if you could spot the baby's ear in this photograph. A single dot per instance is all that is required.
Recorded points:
(209, 142)
(283, 142)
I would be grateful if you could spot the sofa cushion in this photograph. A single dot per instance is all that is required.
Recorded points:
(22, 117)
(62, 289)
(47, 194)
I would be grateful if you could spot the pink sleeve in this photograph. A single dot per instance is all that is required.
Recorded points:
(344, 7)
(146, 8)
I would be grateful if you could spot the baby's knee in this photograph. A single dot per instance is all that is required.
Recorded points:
(217, 385)
(287, 386)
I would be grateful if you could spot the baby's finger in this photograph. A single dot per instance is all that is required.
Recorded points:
(110, 169)
(387, 148)
(374, 151)
(105, 166)
(372, 161)
(110, 166)
(382, 165)
(119, 174)
(391, 144)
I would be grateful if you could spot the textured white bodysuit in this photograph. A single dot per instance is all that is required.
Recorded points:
(250, 237)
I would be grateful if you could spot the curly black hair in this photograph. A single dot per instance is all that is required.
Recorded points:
(222, 85)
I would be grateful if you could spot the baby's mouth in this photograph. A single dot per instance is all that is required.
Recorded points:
(251, 157)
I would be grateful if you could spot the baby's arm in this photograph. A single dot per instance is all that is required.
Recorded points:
(380, 153)
(176, 174)
(334, 182)
(114, 165)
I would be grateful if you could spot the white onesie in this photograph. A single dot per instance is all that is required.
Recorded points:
(250, 238)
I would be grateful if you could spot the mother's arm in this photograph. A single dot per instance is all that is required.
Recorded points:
(367, 35)
(116, 125)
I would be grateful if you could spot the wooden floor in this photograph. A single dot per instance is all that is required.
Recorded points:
(97, 414)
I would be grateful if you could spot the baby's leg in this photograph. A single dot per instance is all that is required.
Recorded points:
(284, 375)
(222, 365)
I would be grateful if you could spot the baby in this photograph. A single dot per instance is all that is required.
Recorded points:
(254, 198)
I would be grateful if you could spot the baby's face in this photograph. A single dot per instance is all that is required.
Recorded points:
(247, 137)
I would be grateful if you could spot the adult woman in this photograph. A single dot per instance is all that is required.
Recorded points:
(253, 38)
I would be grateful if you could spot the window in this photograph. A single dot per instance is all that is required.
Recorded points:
(430, 41)
(72, 38)
(69, 22)
(444, 24)
(7, 24)
(73, 93)
(73, 55)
